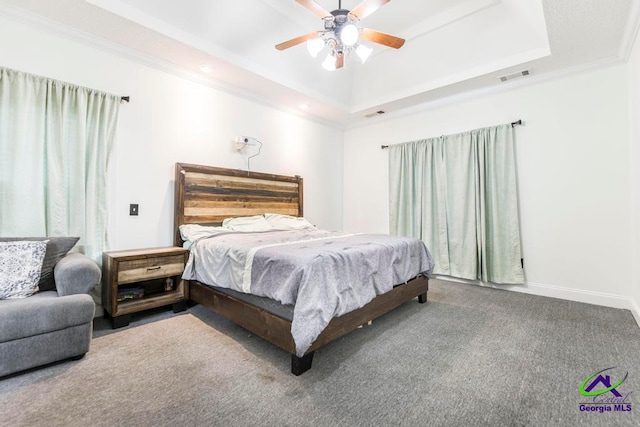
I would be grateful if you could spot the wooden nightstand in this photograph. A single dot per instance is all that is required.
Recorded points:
(136, 280)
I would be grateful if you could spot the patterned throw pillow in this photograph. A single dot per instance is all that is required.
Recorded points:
(20, 266)
(57, 248)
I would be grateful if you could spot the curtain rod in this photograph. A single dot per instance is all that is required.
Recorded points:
(516, 123)
(125, 99)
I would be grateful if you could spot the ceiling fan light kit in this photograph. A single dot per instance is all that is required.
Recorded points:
(363, 52)
(329, 62)
(342, 33)
(349, 34)
(314, 46)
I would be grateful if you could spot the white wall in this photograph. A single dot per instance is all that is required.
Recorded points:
(574, 177)
(172, 119)
(633, 74)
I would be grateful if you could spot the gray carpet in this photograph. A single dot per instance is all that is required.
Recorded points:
(470, 356)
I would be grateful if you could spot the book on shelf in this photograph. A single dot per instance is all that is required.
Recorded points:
(131, 293)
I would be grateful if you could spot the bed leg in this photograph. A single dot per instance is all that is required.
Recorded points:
(422, 298)
(300, 365)
(179, 306)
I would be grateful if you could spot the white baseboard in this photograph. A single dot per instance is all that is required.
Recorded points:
(635, 310)
(579, 295)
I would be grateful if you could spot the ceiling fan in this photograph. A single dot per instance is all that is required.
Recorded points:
(342, 33)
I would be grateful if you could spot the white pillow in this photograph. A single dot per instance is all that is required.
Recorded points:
(192, 232)
(20, 267)
(287, 222)
(247, 223)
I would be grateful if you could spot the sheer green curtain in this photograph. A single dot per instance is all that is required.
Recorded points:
(458, 194)
(55, 140)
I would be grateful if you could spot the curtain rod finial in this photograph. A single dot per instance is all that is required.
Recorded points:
(124, 99)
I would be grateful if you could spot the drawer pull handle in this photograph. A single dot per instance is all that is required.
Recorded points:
(157, 267)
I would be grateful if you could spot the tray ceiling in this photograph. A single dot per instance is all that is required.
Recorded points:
(452, 47)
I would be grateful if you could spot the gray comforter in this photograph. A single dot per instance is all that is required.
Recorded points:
(323, 274)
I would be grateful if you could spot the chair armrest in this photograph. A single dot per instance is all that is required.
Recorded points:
(76, 274)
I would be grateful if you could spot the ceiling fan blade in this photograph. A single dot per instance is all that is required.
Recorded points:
(315, 8)
(296, 41)
(367, 7)
(382, 38)
(339, 60)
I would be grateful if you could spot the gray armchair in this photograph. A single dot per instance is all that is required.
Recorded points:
(51, 325)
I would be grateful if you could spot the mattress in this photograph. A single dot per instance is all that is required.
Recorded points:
(269, 305)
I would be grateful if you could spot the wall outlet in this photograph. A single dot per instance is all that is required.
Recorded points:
(133, 209)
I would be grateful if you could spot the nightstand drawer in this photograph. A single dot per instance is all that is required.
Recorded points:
(150, 268)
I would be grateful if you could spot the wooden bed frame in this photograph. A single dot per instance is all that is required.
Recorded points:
(207, 195)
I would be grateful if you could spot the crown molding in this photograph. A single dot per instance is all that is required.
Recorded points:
(630, 31)
(449, 16)
(488, 91)
(47, 25)
(517, 60)
(186, 38)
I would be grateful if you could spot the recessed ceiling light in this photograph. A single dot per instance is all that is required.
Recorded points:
(205, 69)
(304, 106)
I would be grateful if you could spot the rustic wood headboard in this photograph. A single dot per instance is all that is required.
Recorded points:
(207, 195)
